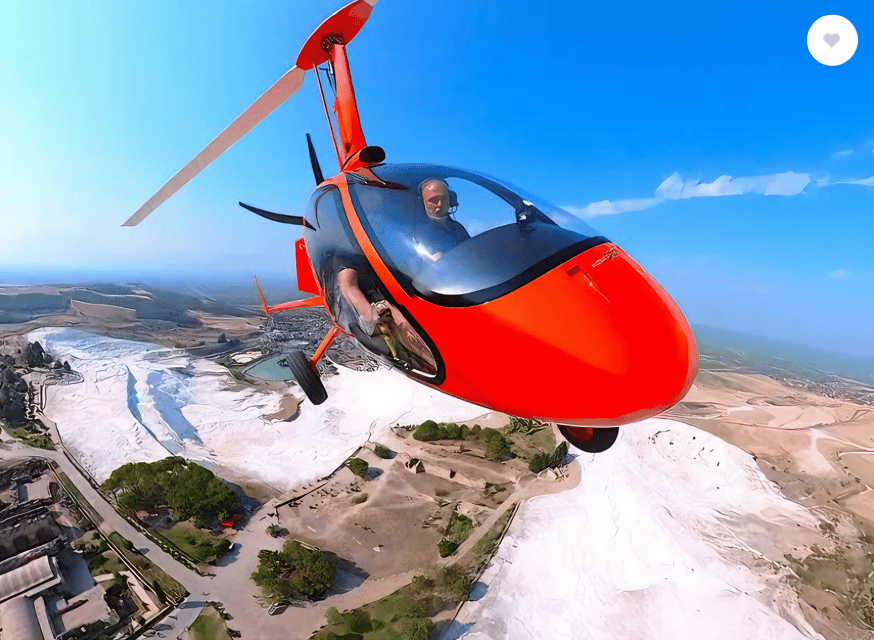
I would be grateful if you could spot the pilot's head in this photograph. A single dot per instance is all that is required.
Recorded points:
(435, 195)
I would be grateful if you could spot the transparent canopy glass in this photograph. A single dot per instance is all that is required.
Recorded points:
(493, 236)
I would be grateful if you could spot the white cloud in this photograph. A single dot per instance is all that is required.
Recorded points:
(606, 208)
(839, 274)
(837, 155)
(778, 184)
(868, 182)
(676, 187)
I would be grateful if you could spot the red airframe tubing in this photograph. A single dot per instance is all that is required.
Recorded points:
(351, 135)
(328, 43)
(285, 306)
(326, 342)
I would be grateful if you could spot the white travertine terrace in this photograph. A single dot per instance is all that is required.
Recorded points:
(141, 402)
(672, 534)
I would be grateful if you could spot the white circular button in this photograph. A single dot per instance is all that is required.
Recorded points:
(832, 40)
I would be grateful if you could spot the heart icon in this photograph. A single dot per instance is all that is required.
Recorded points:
(831, 39)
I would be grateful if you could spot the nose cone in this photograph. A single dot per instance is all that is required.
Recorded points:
(661, 357)
(610, 345)
(644, 349)
(593, 342)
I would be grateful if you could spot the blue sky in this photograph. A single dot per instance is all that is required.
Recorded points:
(632, 111)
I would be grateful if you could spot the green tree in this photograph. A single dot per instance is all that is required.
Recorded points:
(539, 461)
(428, 430)
(414, 628)
(293, 572)
(453, 582)
(358, 466)
(522, 425)
(495, 441)
(459, 589)
(187, 487)
(459, 528)
(558, 455)
(452, 431)
(133, 499)
(382, 451)
(197, 491)
(446, 547)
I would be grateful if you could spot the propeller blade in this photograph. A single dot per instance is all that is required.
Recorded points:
(284, 88)
(278, 217)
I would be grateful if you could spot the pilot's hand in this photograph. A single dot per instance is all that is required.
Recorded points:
(381, 308)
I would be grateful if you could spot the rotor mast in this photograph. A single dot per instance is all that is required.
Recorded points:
(328, 44)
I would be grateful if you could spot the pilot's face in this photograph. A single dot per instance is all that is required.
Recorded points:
(436, 198)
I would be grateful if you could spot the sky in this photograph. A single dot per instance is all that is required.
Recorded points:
(704, 139)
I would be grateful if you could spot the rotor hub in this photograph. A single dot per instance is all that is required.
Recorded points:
(330, 40)
(339, 28)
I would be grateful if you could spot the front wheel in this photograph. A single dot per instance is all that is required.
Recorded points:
(588, 439)
(306, 377)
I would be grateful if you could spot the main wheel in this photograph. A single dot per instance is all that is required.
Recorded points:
(308, 379)
(588, 439)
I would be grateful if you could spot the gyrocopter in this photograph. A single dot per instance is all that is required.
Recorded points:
(462, 282)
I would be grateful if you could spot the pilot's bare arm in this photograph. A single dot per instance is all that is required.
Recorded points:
(348, 282)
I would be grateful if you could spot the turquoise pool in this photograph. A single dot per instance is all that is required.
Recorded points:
(270, 369)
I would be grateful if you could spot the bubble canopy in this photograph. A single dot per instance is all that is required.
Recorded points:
(493, 239)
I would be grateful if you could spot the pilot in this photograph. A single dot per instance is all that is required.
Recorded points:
(442, 232)
(381, 320)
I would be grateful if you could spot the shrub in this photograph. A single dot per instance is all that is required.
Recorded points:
(427, 431)
(465, 432)
(522, 425)
(459, 528)
(495, 441)
(446, 547)
(460, 588)
(358, 466)
(538, 462)
(452, 431)
(382, 451)
(558, 455)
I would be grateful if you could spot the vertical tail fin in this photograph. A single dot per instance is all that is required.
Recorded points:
(261, 295)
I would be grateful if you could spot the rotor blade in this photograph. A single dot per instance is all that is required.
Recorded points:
(284, 88)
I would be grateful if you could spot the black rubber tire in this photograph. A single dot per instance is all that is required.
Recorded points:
(599, 441)
(308, 379)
